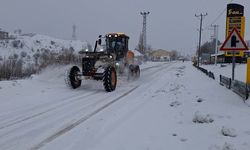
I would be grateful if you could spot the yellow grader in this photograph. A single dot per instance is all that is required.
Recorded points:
(109, 59)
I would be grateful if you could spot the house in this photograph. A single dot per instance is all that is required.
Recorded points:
(3, 35)
(160, 55)
(220, 57)
(223, 57)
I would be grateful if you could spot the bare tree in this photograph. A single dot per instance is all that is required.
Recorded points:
(174, 54)
(139, 47)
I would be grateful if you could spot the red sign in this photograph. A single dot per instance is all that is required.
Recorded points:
(234, 42)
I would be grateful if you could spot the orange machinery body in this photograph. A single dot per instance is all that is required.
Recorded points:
(130, 57)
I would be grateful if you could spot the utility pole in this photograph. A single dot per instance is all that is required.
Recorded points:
(144, 31)
(201, 16)
(74, 32)
(216, 33)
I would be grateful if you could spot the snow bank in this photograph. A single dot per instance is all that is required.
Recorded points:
(201, 118)
(228, 132)
(228, 146)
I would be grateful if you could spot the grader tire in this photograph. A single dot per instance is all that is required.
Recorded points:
(137, 72)
(131, 72)
(109, 79)
(71, 78)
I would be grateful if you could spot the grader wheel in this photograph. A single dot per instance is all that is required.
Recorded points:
(110, 79)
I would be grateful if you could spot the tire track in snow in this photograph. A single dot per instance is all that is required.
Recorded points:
(157, 66)
(80, 121)
(57, 106)
(14, 113)
(149, 72)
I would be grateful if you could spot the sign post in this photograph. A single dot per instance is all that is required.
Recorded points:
(233, 65)
(234, 42)
(248, 71)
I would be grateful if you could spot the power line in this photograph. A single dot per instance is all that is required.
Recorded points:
(74, 32)
(218, 17)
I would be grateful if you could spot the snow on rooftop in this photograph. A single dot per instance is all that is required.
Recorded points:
(137, 53)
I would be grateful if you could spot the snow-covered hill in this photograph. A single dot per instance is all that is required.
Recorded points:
(33, 43)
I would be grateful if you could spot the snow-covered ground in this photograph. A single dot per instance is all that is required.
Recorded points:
(171, 106)
(226, 70)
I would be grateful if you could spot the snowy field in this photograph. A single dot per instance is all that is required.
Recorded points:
(172, 106)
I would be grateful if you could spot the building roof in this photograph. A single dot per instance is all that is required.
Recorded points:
(137, 53)
(2, 31)
(219, 54)
(160, 52)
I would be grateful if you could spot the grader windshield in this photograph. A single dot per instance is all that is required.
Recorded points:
(117, 43)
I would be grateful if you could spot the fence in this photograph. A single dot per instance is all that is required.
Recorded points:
(205, 71)
(239, 87)
(225, 81)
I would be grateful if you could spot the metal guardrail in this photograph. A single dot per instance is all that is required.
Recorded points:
(211, 75)
(208, 73)
(240, 88)
(225, 81)
(203, 70)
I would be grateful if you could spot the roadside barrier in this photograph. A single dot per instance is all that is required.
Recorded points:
(205, 71)
(211, 75)
(239, 87)
(225, 81)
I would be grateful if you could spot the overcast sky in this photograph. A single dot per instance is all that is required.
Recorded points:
(171, 25)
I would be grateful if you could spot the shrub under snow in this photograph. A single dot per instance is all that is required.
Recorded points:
(228, 132)
(201, 118)
(228, 146)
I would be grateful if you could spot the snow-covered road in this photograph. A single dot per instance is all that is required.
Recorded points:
(154, 112)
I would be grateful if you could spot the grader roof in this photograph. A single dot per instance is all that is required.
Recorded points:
(117, 34)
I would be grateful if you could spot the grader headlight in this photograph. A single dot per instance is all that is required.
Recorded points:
(117, 64)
